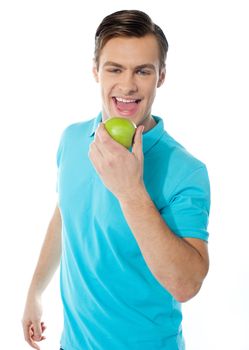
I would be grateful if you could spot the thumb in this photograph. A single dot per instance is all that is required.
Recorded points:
(137, 147)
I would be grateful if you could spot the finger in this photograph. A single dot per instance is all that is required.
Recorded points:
(28, 334)
(137, 147)
(43, 327)
(42, 336)
(37, 331)
(95, 157)
(97, 143)
(106, 143)
(34, 345)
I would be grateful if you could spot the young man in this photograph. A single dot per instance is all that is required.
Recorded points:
(132, 224)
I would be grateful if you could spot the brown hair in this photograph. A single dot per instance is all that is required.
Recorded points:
(128, 23)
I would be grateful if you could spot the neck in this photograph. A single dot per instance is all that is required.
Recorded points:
(148, 123)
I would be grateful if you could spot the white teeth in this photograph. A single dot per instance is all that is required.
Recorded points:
(119, 99)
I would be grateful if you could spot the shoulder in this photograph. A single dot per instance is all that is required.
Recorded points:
(168, 149)
(183, 170)
(72, 135)
(177, 155)
(77, 128)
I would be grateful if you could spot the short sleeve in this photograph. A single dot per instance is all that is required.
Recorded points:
(187, 212)
(58, 159)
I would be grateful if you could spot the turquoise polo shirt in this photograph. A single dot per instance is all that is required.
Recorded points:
(111, 300)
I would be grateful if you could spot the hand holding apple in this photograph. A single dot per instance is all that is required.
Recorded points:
(112, 160)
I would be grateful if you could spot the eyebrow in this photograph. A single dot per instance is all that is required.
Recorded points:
(142, 66)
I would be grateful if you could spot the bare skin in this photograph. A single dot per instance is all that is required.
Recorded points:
(33, 327)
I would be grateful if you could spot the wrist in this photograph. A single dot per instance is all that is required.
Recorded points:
(34, 292)
(136, 197)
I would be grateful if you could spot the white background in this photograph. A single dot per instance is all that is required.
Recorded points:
(46, 84)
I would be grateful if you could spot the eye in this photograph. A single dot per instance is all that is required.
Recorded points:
(143, 71)
(114, 70)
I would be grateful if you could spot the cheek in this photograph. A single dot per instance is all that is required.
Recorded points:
(150, 98)
(150, 87)
(104, 90)
(151, 93)
(105, 87)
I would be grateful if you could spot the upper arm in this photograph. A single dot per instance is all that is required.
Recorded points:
(55, 222)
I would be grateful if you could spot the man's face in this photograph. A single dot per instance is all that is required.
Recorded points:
(129, 74)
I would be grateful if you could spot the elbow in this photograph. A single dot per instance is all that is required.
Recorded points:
(182, 295)
(184, 288)
(184, 291)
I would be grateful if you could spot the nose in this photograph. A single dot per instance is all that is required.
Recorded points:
(127, 84)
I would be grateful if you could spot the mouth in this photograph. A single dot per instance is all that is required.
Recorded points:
(126, 106)
(125, 100)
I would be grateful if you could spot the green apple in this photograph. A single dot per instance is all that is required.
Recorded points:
(121, 130)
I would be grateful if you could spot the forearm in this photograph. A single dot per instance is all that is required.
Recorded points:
(177, 265)
(49, 258)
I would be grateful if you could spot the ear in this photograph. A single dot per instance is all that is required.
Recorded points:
(162, 76)
(95, 71)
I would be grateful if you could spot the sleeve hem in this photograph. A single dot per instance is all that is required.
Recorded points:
(199, 235)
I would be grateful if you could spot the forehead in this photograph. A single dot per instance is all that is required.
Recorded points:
(131, 50)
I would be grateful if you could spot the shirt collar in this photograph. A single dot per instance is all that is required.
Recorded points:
(96, 122)
(150, 137)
